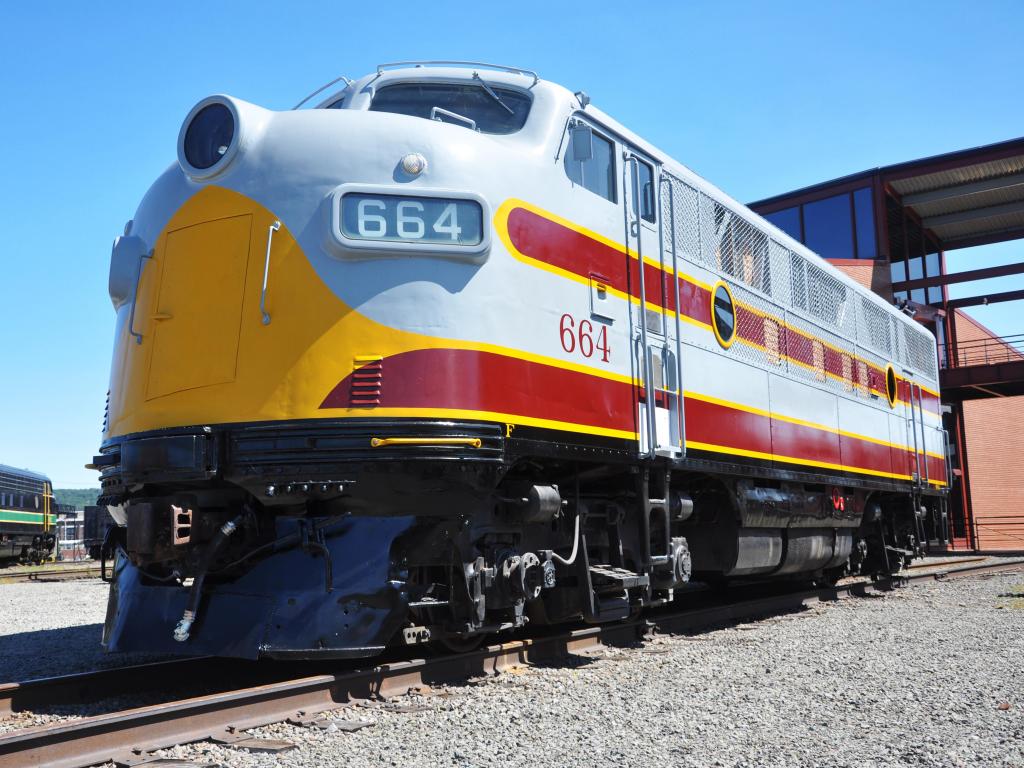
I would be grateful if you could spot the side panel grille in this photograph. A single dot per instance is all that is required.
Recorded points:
(367, 380)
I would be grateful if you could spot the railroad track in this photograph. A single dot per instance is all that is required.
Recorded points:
(952, 564)
(62, 573)
(284, 692)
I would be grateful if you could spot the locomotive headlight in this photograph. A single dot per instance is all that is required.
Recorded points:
(214, 132)
(208, 136)
(414, 163)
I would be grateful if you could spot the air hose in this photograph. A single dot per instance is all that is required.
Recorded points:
(575, 545)
(182, 631)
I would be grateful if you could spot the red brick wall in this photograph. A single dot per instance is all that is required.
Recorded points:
(995, 458)
(873, 275)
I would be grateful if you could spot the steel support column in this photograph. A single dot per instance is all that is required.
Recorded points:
(970, 529)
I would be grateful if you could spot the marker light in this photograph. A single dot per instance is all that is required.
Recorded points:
(414, 163)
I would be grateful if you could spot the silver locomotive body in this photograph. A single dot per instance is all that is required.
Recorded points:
(455, 351)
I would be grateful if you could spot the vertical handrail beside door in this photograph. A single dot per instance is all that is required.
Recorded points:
(948, 459)
(680, 400)
(633, 229)
(924, 435)
(949, 486)
(913, 429)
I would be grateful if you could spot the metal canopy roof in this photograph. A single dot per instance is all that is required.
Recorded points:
(970, 197)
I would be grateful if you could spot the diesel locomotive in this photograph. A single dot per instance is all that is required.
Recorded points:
(453, 351)
(27, 516)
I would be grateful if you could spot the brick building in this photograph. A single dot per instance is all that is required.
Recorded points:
(890, 229)
(995, 445)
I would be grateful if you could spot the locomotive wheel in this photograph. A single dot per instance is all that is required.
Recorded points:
(829, 578)
(456, 644)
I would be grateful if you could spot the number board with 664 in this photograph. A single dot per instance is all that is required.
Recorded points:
(399, 219)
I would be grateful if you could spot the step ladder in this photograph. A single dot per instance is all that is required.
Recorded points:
(608, 578)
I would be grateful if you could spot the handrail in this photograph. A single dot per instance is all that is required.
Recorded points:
(913, 429)
(435, 111)
(993, 349)
(348, 82)
(266, 272)
(680, 399)
(1011, 338)
(456, 63)
(633, 163)
(924, 435)
(135, 298)
(382, 442)
(948, 458)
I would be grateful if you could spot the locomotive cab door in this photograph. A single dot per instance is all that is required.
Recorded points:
(655, 333)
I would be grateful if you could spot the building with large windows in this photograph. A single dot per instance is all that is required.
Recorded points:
(890, 229)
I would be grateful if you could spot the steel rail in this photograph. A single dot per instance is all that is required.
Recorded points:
(224, 716)
(960, 561)
(55, 574)
(941, 573)
(95, 685)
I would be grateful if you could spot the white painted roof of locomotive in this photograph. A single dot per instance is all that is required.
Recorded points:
(547, 93)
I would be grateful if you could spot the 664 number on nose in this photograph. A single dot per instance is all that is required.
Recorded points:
(400, 219)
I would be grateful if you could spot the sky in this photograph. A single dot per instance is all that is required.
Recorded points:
(758, 97)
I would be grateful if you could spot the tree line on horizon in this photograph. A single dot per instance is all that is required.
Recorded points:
(79, 497)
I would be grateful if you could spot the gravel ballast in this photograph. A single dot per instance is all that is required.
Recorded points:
(52, 628)
(930, 675)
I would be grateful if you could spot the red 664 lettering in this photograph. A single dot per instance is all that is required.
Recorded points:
(580, 336)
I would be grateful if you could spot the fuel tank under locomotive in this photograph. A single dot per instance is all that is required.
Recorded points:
(745, 529)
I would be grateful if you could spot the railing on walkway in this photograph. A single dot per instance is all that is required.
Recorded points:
(1001, 349)
(996, 532)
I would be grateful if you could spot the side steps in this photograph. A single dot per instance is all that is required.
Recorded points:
(611, 587)
(608, 578)
(609, 591)
(605, 589)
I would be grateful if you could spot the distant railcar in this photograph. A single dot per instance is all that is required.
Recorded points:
(97, 522)
(27, 516)
(455, 351)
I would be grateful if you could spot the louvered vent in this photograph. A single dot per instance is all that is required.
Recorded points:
(367, 380)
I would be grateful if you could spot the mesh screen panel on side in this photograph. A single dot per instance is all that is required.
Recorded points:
(796, 289)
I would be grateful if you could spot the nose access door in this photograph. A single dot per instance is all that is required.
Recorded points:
(655, 329)
(199, 309)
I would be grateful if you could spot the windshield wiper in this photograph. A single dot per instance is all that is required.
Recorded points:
(490, 92)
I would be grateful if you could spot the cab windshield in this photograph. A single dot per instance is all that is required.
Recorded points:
(477, 105)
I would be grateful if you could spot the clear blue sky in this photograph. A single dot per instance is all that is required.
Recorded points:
(760, 98)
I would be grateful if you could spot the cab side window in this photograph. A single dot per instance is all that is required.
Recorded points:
(596, 172)
(646, 192)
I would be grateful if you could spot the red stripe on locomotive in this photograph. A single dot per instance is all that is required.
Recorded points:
(461, 379)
